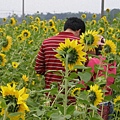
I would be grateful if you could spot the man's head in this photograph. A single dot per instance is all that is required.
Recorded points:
(75, 24)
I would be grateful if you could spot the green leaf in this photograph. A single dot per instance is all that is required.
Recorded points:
(72, 76)
(57, 116)
(108, 98)
(39, 112)
(81, 67)
(84, 102)
(68, 117)
(92, 107)
(77, 113)
(16, 113)
(114, 87)
(2, 103)
(70, 109)
(86, 76)
(94, 118)
(97, 68)
(61, 108)
(80, 86)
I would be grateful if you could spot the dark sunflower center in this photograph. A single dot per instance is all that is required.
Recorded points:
(20, 38)
(53, 29)
(14, 65)
(72, 56)
(109, 30)
(11, 21)
(5, 43)
(51, 24)
(1, 59)
(89, 39)
(37, 20)
(107, 49)
(92, 23)
(100, 31)
(25, 34)
(12, 101)
(42, 24)
(36, 29)
(76, 92)
(92, 96)
(4, 19)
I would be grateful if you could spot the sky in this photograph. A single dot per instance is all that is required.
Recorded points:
(10, 7)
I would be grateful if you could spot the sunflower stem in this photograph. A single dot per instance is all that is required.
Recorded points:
(116, 118)
(93, 113)
(102, 110)
(66, 85)
(5, 114)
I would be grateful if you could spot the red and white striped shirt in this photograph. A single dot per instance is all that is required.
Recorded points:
(46, 59)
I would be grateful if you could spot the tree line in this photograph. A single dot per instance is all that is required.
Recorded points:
(112, 14)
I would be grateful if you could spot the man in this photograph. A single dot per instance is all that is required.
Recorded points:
(46, 59)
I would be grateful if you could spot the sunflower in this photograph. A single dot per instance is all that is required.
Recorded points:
(104, 18)
(37, 19)
(54, 17)
(20, 38)
(4, 19)
(51, 23)
(83, 16)
(117, 103)
(7, 43)
(76, 56)
(107, 10)
(110, 30)
(42, 24)
(30, 41)
(24, 21)
(90, 40)
(95, 95)
(25, 78)
(12, 21)
(45, 29)
(106, 22)
(109, 47)
(93, 22)
(75, 92)
(94, 16)
(31, 27)
(35, 28)
(15, 101)
(25, 34)
(53, 29)
(2, 34)
(2, 59)
(15, 64)
(33, 82)
(116, 35)
(31, 17)
(114, 20)
(101, 31)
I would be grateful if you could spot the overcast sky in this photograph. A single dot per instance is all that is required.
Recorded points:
(8, 7)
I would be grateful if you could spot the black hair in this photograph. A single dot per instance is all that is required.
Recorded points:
(98, 50)
(75, 24)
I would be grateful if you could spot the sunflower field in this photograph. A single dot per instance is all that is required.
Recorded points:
(22, 93)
